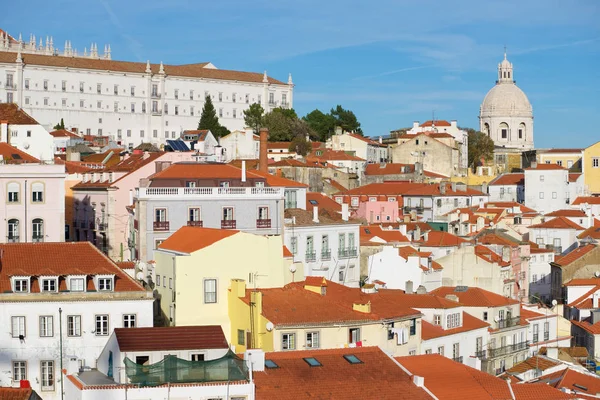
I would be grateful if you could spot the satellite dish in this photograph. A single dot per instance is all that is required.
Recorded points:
(554, 303)
(458, 212)
(491, 224)
(26, 145)
(270, 326)
(142, 265)
(597, 274)
(496, 319)
(292, 268)
(140, 276)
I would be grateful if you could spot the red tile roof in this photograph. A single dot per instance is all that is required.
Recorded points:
(583, 282)
(439, 239)
(125, 264)
(532, 363)
(573, 213)
(13, 115)
(278, 145)
(70, 258)
(292, 162)
(7, 393)
(469, 323)
(418, 301)
(199, 171)
(171, 338)
(287, 253)
(587, 199)
(492, 238)
(475, 297)
(385, 188)
(202, 133)
(562, 151)
(574, 255)
(189, 239)
(332, 155)
(509, 179)
(440, 122)
(278, 181)
(593, 329)
(570, 378)
(368, 232)
(65, 133)
(593, 231)
(558, 223)
(532, 315)
(488, 255)
(396, 169)
(12, 155)
(545, 167)
(434, 190)
(322, 201)
(376, 377)
(196, 70)
(574, 176)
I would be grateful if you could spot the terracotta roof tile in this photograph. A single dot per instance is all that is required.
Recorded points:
(196, 70)
(396, 169)
(323, 202)
(64, 133)
(572, 213)
(475, 297)
(576, 352)
(488, 255)
(558, 223)
(587, 199)
(200, 170)
(532, 363)
(368, 232)
(439, 239)
(287, 253)
(574, 176)
(189, 239)
(591, 328)
(12, 155)
(509, 179)
(7, 393)
(469, 323)
(201, 133)
(171, 338)
(13, 115)
(292, 162)
(439, 122)
(562, 151)
(336, 379)
(574, 255)
(570, 378)
(545, 167)
(305, 217)
(583, 282)
(278, 145)
(62, 259)
(332, 155)
(385, 188)
(278, 181)
(593, 231)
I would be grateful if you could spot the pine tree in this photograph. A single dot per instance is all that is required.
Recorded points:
(209, 119)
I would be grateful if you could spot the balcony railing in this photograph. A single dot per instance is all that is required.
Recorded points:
(508, 349)
(209, 192)
(348, 252)
(326, 255)
(161, 225)
(311, 256)
(156, 112)
(458, 359)
(10, 86)
(37, 238)
(13, 239)
(290, 204)
(419, 209)
(507, 323)
(481, 354)
(263, 223)
(195, 223)
(228, 224)
(155, 95)
(536, 337)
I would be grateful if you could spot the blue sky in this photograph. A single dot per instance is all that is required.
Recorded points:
(390, 61)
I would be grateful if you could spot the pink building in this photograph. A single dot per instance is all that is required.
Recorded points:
(101, 199)
(377, 211)
(33, 194)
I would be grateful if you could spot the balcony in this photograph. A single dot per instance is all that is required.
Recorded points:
(228, 224)
(209, 193)
(420, 209)
(481, 354)
(102, 226)
(348, 252)
(156, 112)
(508, 349)
(263, 223)
(10, 86)
(155, 95)
(13, 239)
(290, 204)
(326, 255)
(37, 238)
(507, 323)
(311, 256)
(161, 225)
(195, 223)
(458, 359)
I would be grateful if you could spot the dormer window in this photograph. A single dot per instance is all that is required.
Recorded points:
(21, 285)
(453, 321)
(76, 284)
(105, 284)
(49, 285)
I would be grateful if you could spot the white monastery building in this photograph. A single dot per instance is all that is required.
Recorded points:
(130, 102)
(506, 114)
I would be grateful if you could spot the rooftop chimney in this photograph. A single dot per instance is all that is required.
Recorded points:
(316, 214)
(442, 188)
(262, 158)
(409, 287)
(415, 124)
(345, 212)
(243, 170)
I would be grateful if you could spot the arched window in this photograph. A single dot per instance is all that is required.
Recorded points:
(522, 131)
(13, 190)
(37, 192)
(37, 230)
(508, 74)
(13, 230)
(166, 108)
(503, 130)
(486, 129)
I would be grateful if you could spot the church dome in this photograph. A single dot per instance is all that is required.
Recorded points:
(506, 99)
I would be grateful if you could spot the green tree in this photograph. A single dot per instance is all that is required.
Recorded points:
(322, 124)
(281, 123)
(210, 121)
(481, 146)
(300, 145)
(60, 125)
(346, 119)
(254, 117)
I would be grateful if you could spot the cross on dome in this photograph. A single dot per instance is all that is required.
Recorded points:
(505, 70)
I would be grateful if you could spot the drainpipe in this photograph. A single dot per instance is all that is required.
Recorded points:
(25, 203)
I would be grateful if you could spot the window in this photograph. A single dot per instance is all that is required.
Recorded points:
(234, 113)
(210, 291)
(233, 97)
(194, 214)
(105, 284)
(284, 99)
(155, 133)
(197, 357)
(45, 85)
(271, 98)
(101, 325)
(99, 104)
(554, 195)
(263, 212)
(170, 283)
(73, 325)
(99, 88)
(294, 244)
(220, 96)
(595, 162)
(312, 340)
(46, 326)
(241, 337)
(227, 213)
(144, 107)
(259, 99)
(541, 195)
(128, 132)
(559, 163)
(354, 202)
(18, 327)
(534, 278)
(133, 90)
(479, 344)
(176, 110)
(132, 107)
(413, 327)
(541, 178)
(485, 316)
(82, 103)
(160, 215)
(48, 285)
(158, 278)
(440, 350)
(26, 100)
(142, 133)
(313, 362)
(19, 369)
(452, 320)
(341, 276)
(129, 321)
(176, 94)
(21, 285)
(437, 319)
(13, 192)
(353, 335)
(456, 350)
(220, 113)
(116, 89)
(47, 375)
(288, 341)
(428, 351)
(191, 110)
(38, 230)
(247, 98)
(26, 83)
(64, 102)
(546, 331)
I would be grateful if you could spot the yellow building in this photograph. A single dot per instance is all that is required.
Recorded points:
(568, 158)
(317, 313)
(591, 169)
(195, 266)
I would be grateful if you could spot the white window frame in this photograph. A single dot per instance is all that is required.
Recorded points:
(47, 375)
(129, 320)
(73, 325)
(102, 323)
(75, 288)
(46, 326)
(18, 285)
(208, 299)
(288, 341)
(105, 284)
(49, 281)
(19, 371)
(315, 336)
(20, 323)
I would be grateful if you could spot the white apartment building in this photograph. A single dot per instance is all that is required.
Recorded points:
(23, 132)
(325, 244)
(508, 187)
(360, 146)
(546, 187)
(69, 289)
(540, 283)
(131, 102)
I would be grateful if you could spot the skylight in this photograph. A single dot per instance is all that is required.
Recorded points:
(352, 359)
(313, 202)
(367, 231)
(271, 364)
(313, 362)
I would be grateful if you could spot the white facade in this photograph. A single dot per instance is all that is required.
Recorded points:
(506, 115)
(37, 212)
(32, 139)
(560, 240)
(327, 250)
(131, 102)
(460, 136)
(78, 351)
(540, 283)
(434, 208)
(504, 189)
(546, 190)
(240, 145)
(363, 147)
